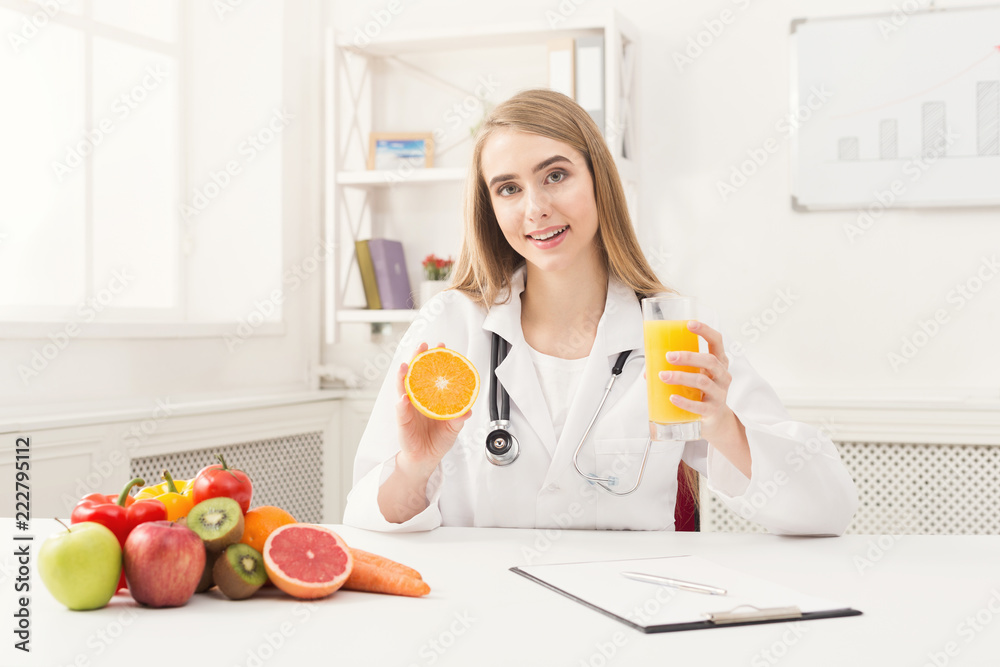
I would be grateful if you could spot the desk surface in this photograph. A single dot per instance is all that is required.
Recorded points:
(923, 597)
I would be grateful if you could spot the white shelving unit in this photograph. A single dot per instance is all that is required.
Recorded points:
(352, 192)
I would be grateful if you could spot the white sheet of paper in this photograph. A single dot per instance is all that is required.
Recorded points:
(602, 585)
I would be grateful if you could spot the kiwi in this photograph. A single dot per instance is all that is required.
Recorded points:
(218, 522)
(207, 580)
(239, 571)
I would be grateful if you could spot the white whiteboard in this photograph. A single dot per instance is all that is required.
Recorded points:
(906, 109)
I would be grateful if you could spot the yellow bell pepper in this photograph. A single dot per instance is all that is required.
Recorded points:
(175, 494)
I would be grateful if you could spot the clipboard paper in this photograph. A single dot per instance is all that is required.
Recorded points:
(651, 608)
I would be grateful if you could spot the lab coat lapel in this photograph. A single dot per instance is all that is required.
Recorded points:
(517, 372)
(619, 329)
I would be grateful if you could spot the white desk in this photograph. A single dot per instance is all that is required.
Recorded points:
(915, 591)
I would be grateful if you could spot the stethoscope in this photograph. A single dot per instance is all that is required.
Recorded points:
(502, 448)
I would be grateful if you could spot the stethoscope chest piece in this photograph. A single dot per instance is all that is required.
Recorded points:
(501, 447)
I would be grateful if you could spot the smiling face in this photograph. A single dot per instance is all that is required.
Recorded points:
(543, 198)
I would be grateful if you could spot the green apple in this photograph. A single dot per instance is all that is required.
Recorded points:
(81, 565)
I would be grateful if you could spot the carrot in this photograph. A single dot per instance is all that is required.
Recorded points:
(370, 577)
(382, 561)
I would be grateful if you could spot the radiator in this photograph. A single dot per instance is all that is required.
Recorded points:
(286, 472)
(905, 489)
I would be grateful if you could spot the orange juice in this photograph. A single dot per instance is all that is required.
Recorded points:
(664, 336)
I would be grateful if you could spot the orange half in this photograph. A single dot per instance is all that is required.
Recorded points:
(441, 383)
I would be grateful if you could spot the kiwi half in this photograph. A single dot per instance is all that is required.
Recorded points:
(217, 521)
(239, 571)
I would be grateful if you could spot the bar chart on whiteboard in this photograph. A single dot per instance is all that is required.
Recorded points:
(910, 114)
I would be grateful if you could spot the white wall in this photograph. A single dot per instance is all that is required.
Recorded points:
(852, 302)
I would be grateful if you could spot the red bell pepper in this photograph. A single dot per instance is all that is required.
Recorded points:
(120, 514)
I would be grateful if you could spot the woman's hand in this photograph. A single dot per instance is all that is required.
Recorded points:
(423, 441)
(719, 424)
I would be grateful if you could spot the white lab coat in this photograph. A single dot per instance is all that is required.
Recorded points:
(798, 484)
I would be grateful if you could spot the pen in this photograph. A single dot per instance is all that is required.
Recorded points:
(675, 583)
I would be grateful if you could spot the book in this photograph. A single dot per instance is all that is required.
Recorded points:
(390, 273)
(367, 274)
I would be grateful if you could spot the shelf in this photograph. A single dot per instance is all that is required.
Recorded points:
(376, 178)
(365, 315)
(487, 37)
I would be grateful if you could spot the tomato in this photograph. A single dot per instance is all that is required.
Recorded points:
(218, 480)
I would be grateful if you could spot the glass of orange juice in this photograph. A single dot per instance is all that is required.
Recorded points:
(664, 322)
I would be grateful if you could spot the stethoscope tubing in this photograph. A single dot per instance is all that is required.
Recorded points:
(498, 352)
(603, 482)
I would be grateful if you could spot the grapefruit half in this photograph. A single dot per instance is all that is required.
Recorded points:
(307, 561)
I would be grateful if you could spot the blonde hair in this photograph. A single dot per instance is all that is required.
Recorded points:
(486, 261)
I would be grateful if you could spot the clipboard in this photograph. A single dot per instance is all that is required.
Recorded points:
(652, 608)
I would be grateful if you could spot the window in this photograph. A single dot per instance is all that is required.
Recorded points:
(141, 168)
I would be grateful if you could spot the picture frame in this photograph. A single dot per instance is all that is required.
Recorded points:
(395, 150)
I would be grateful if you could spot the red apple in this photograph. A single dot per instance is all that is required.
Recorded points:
(163, 563)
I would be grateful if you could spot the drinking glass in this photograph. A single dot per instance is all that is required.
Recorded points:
(664, 322)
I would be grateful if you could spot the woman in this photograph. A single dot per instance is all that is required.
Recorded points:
(549, 261)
